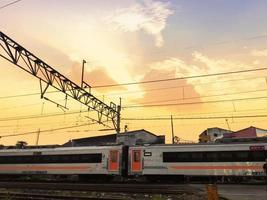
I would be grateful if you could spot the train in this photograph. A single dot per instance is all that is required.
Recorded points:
(149, 161)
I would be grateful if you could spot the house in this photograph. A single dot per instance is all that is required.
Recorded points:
(211, 134)
(250, 132)
(136, 137)
(139, 137)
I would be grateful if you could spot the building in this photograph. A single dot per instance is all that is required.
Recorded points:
(140, 137)
(250, 132)
(211, 134)
(137, 137)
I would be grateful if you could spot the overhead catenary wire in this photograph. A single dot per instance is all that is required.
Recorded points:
(9, 4)
(24, 95)
(167, 100)
(195, 118)
(190, 114)
(25, 117)
(192, 103)
(47, 130)
(218, 112)
(78, 112)
(182, 86)
(58, 121)
(182, 78)
(207, 122)
(141, 91)
(205, 96)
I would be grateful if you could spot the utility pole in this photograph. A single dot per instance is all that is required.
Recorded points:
(172, 130)
(82, 73)
(228, 124)
(118, 128)
(119, 118)
(37, 139)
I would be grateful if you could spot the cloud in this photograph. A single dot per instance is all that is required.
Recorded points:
(212, 65)
(149, 16)
(173, 91)
(256, 62)
(94, 77)
(202, 64)
(259, 53)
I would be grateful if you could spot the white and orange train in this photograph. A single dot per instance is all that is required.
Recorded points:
(217, 160)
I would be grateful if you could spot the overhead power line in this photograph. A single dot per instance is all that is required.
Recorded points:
(140, 91)
(196, 118)
(182, 78)
(47, 130)
(9, 4)
(133, 106)
(23, 95)
(181, 86)
(192, 103)
(247, 111)
(41, 116)
(206, 96)
(167, 100)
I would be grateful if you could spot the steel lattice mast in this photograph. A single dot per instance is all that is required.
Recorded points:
(48, 76)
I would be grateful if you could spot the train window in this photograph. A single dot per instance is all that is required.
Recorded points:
(241, 156)
(257, 156)
(169, 157)
(211, 157)
(54, 158)
(16, 159)
(46, 158)
(197, 156)
(79, 158)
(28, 159)
(184, 157)
(75, 157)
(176, 157)
(37, 159)
(136, 156)
(226, 156)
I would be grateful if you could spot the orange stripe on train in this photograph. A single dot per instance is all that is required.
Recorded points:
(251, 167)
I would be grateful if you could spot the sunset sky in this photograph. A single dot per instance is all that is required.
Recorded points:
(127, 41)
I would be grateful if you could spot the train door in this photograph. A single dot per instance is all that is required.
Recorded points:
(113, 164)
(136, 160)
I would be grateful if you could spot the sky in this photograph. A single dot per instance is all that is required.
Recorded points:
(133, 41)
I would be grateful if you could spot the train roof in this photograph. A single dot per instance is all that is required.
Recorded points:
(208, 144)
(61, 148)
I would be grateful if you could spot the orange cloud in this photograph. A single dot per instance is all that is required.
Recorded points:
(98, 76)
(171, 92)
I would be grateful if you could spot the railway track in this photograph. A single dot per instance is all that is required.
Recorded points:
(107, 188)
(89, 191)
(45, 195)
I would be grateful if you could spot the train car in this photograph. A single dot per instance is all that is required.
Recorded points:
(198, 160)
(150, 161)
(95, 160)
